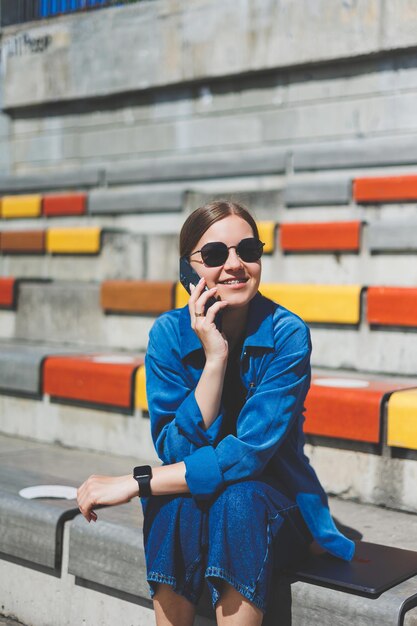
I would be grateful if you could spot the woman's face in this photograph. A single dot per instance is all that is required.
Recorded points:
(237, 281)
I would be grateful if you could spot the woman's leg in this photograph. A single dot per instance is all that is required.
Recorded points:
(171, 609)
(246, 524)
(175, 538)
(233, 609)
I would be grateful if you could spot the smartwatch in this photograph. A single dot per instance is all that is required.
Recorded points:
(143, 474)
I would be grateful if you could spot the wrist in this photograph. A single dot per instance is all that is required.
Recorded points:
(216, 363)
(142, 474)
(132, 486)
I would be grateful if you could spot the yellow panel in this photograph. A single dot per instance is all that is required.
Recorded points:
(141, 401)
(73, 240)
(267, 235)
(402, 419)
(334, 304)
(21, 206)
(181, 296)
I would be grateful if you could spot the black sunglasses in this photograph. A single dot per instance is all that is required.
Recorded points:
(215, 253)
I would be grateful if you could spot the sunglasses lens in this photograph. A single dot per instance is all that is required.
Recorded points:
(250, 249)
(214, 254)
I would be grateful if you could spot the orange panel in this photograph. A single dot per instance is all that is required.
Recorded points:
(64, 204)
(7, 293)
(385, 189)
(347, 408)
(107, 380)
(392, 306)
(23, 242)
(331, 236)
(137, 296)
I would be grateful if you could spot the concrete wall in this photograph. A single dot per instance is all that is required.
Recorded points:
(171, 41)
(4, 130)
(368, 98)
(147, 80)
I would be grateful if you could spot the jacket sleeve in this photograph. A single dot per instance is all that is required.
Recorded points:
(177, 425)
(263, 422)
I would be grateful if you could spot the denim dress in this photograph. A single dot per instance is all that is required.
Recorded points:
(240, 535)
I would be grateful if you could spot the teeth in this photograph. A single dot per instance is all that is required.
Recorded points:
(232, 282)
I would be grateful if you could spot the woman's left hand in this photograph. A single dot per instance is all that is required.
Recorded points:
(105, 490)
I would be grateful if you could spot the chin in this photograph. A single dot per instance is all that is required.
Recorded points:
(237, 301)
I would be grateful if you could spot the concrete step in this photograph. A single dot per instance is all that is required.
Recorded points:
(71, 312)
(134, 248)
(105, 254)
(351, 465)
(102, 571)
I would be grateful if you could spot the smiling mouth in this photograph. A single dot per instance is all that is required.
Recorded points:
(234, 281)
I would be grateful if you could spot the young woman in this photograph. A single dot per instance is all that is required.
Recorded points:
(235, 497)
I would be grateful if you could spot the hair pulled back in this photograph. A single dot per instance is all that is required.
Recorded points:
(202, 218)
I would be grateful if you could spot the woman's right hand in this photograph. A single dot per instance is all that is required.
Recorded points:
(214, 343)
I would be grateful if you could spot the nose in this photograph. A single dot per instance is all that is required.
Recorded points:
(233, 261)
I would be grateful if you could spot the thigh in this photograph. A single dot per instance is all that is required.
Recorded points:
(175, 540)
(174, 529)
(245, 520)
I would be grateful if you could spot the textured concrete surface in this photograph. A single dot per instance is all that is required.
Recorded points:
(318, 192)
(374, 151)
(78, 179)
(79, 427)
(136, 199)
(121, 255)
(263, 34)
(366, 107)
(393, 237)
(226, 163)
(315, 605)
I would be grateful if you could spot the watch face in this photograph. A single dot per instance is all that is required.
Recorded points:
(142, 471)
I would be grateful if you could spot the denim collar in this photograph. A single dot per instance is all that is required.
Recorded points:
(259, 330)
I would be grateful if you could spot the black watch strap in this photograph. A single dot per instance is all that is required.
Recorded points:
(143, 474)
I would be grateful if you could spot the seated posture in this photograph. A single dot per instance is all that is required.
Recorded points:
(236, 497)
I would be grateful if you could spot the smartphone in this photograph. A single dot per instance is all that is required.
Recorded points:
(189, 275)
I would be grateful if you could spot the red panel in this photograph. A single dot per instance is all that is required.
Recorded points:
(385, 189)
(64, 204)
(392, 306)
(331, 236)
(347, 413)
(7, 292)
(84, 379)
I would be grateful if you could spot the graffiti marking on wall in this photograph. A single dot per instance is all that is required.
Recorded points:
(24, 44)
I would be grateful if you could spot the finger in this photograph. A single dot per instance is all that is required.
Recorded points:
(196, 291)
(198, 288)
(214, 309)
(200, 305)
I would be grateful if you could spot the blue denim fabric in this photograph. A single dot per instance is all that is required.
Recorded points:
(240, 536)
(275, 371)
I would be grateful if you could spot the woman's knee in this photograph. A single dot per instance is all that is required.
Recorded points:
(171, 607)
(238, 498)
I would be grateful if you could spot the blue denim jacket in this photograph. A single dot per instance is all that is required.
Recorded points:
(275, 370)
